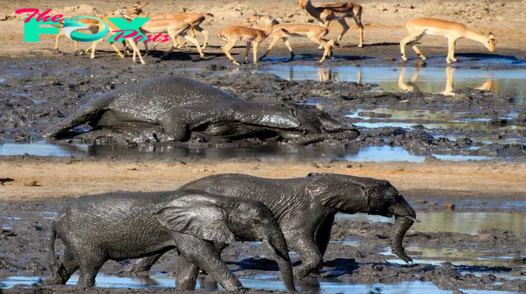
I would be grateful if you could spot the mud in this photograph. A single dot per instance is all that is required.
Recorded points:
(358, 254)
(36, 93)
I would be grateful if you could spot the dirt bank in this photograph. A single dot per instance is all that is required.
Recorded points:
(59, 178)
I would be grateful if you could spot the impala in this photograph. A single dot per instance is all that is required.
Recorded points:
(93, 28)
(419, 27)
(252, 36)
(194, 19)
(285, 31)
(324, 14)
(113, 28)
(173, 28)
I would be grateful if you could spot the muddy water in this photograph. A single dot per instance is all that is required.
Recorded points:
(507, 77)
(401, 79)
(458, 222)
(267, 153)
(467, 257)
(206, 284)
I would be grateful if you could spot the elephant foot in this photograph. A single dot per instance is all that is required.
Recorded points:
(55, 279)
(301, 273)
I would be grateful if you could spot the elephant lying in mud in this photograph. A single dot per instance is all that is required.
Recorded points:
(119, 226)
(176, 109)
(305, 209)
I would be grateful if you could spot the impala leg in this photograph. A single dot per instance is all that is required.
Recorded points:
(358, 21)
(117, 50)
(196, 44)
(417, 51)
(247, 51)
(146, 50)
(451, 57)
(226, 49)
(345, 28)
(322, 43)
(93, 48)
(173, 35)
(326, 25)
(255, 46)
(205, 34)
(180, 43)
(272, 44)
(406, 40)
(287, 43)
(136, 50)
(60, 34)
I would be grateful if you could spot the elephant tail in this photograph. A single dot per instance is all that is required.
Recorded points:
(51, 249)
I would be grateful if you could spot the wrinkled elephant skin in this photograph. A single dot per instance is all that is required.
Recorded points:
(175, 109)
(119, 226)
(305, 208)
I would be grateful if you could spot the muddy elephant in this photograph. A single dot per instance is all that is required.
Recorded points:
(178, 109)
(305, 208)
(119, 226)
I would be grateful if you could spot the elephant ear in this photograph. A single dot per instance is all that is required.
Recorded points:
(200, 219)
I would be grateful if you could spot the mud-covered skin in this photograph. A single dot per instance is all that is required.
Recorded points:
(22, 254)
(181, 106)
(117, 226)
(305, 208)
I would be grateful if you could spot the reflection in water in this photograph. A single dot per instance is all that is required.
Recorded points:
(323, 287)
(450, 79)
(458, 222)
(464, 257)
(430, 79)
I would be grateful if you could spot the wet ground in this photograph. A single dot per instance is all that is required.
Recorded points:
(473, 111)
(468, 250)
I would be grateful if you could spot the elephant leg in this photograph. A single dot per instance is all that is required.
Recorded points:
(323, 234)
(64, 271)
(89, 265)
(205, 255)
(145, 264)
(311, 259)
(186, 274)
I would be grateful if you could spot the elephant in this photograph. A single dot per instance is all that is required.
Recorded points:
(177, 109)
(305, 208)
(118, 226)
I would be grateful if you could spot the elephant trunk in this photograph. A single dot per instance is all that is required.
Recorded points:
(405, 216)
(281, 253)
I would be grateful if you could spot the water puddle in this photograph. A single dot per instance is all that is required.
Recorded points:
(457, 222)
(104, 281)
(443, 120)
(267, 153)
(439, 80)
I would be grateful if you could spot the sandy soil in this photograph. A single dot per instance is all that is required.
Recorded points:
(383, 21)
(63, 178)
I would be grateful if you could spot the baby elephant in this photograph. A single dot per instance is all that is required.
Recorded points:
(119, 226)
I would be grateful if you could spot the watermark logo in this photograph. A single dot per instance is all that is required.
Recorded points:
(125, 28)
(71, 26)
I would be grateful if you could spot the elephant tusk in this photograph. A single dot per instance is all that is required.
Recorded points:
(412, 218)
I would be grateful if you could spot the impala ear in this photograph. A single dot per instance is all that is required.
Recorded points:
(197, 215)
(491, 36)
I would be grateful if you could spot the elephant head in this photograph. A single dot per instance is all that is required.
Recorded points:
(349, 194)
(226, 219)
(302, 118)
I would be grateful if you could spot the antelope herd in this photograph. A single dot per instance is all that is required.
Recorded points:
(256, 29)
